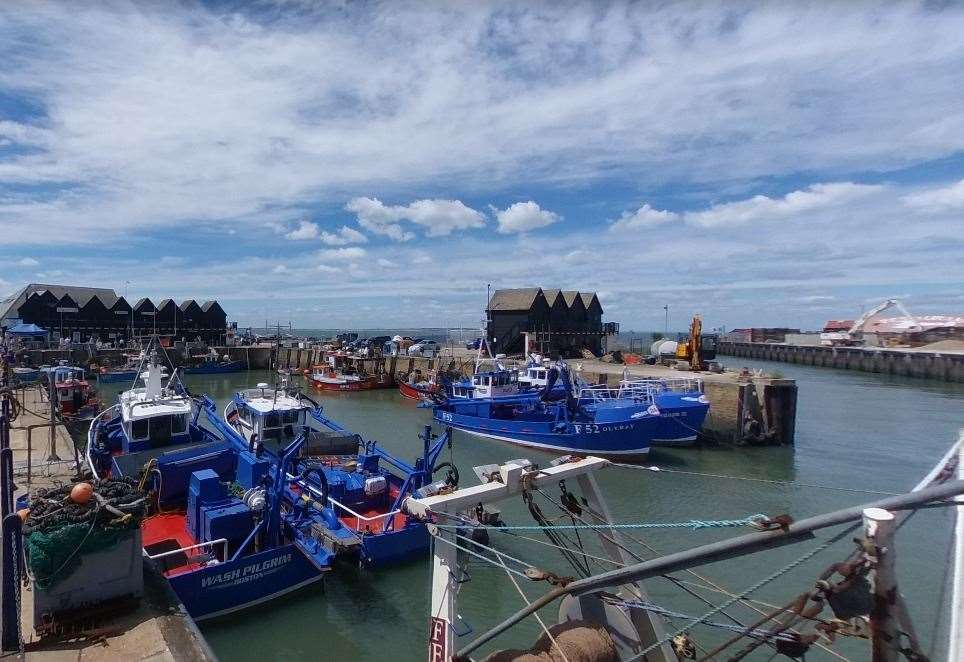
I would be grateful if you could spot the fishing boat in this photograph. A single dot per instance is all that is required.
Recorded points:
(682, 405)
(364, 484)
(72, 393)
(126, 373)
(212, 364)
(22, 375)
(343, 372)
(589, 420)
(841, 598)
(417, 387)
(107, 376)
(225, 530)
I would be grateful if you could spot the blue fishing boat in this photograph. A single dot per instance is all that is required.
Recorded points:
(115, 376)
(23, 375)
(681, 403)
(592, 420)
(212, 364)
(127, 372)
(363, 483)
(225, 530)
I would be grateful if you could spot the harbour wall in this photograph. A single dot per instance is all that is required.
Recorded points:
(948, 367)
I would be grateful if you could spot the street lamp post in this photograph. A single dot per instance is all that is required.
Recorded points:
(666, 322)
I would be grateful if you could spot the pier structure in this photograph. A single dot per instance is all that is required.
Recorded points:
(155, 628)
(945, 366)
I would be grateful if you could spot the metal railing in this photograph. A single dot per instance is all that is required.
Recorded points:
(90, 440)
(639, 392)
(184, 550)
(359, 518)
(674, 384)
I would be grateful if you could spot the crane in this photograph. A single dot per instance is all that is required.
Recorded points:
(849, 337)
(692, 349)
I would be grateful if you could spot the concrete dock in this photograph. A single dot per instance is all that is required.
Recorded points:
(945, 366)
(155, 628)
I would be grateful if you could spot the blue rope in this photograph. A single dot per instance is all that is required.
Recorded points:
(694, 524)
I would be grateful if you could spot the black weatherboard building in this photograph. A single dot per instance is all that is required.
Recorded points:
(558, 322)
(96, 313)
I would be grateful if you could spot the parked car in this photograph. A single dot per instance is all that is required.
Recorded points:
(474, 344)
(428, 348)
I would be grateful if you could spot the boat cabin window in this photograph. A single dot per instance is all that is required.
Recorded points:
(276, 422)
(179, 424)
(140, 429)
(159, 429)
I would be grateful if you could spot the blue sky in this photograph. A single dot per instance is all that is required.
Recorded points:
(375, 164)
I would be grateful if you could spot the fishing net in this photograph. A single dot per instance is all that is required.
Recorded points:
(59, 532)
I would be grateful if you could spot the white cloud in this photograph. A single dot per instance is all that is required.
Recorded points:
(644, 217)
(815, 198)
(946, 198)
(422, 259)
(344, 235)
(204, 127)
(280, 269)
(388, 264)
(342, 254)
(578, 257)
(523, 217)
(305, 230)
(438, 217)
(327, 269)
(28, 262)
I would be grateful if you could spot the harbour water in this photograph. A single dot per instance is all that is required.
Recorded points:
(857, 431)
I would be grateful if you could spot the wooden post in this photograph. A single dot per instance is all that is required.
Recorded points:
(51, 400)
(879, 527)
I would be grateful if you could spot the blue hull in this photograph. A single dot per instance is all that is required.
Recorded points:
(26, 375)
(681, 418)
(625, 439)
(682, 415)
(389, 548)
(216, 368)
(234, 585)
(116, 376)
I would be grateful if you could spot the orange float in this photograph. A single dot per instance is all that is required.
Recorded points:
(81, 492)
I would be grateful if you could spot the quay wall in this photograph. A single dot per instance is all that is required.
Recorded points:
(948, 367)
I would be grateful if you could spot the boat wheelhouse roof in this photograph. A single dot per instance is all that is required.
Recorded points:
(495, 372)
(136, 404)
(266, 400)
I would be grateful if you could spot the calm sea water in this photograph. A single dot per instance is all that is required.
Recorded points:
(854, 430)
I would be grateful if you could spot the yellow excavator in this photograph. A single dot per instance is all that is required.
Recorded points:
(692, 349)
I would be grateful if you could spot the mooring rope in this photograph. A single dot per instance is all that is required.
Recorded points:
(748, 631)
(695, 524)
(484, 558)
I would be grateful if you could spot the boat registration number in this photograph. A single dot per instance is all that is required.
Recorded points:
(445, 416)
(594, 428)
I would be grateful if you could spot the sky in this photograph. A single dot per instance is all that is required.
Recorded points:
(379, 164)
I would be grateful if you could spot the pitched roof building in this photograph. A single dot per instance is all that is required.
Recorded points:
(557, 322)
(95, 312)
